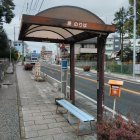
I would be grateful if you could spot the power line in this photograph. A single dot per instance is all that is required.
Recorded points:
(27, 7)
(35, 5)
(22, 9)
(30, 6)
(41, 5)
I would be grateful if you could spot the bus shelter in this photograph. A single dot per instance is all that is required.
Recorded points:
(68, 25)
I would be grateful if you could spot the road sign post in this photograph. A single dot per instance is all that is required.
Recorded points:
(64, 77)
(37, 70)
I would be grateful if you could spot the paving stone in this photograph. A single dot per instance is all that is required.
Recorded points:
(61, 119)
(51, 116)
(28, 123)
(36, 127)
(26, 118)
(27, 115)
(42, 114)
(30, 111)
(50, 131)
(41, 138)
(65, 136)
(45, 121)
(58, 124)
(31, 134)
(68, 129)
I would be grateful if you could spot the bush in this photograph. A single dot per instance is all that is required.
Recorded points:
(28, 66)
(86, 68)
(118, 129)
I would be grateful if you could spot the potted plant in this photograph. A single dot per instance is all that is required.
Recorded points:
(86, 68)
(28, 66)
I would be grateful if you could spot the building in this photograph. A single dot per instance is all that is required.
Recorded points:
(46, 55)
(21, 47)
(85, 50)
(113, 45)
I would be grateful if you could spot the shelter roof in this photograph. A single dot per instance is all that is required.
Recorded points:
(63, 24)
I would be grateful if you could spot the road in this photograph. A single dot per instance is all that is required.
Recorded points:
(85, 82)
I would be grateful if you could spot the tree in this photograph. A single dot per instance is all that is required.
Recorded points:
(127, 54)
(120, 19)
(3, 40)
(6, 11)
(5, 47)
(129, 23)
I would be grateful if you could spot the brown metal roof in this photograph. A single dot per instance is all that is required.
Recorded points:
(63, 24)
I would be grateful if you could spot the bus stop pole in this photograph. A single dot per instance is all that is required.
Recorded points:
(72, 74)
(100, 76)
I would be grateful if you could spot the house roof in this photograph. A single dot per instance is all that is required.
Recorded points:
(63, 24)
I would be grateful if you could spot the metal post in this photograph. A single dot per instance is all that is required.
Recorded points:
(10, 54)
(114, 107)
(10, 43)
(134, 38)
(72, 74)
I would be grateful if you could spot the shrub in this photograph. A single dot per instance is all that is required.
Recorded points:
(118, 129)
(28, 66)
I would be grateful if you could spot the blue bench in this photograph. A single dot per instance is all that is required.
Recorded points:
(78, 113)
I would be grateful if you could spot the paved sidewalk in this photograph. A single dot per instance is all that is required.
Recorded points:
(38, 118)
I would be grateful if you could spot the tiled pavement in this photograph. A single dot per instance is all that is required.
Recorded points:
(38, 118)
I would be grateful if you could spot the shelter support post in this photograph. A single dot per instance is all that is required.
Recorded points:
(100, 76)
(72, 74)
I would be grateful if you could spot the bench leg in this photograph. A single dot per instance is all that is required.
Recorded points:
(60, 111)
(56, 109)
(90, 125)
(78, 129)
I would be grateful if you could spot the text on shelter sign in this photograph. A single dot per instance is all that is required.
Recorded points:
(77, 24)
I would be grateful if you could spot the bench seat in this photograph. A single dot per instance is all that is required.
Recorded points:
(78, 113)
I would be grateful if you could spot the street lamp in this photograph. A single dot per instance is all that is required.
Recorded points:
(134, 38)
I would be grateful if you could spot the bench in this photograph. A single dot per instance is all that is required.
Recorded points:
(75, 111)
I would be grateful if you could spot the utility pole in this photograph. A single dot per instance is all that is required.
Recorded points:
(10, 43)
(22, 53)
(14, 34)
(134, 38)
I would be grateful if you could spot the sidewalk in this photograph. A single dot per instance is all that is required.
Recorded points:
(9, 117)
(38, 118)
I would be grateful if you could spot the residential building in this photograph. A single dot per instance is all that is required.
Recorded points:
(85, 49)
(113, 45)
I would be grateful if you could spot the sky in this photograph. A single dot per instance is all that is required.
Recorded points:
(105, 9)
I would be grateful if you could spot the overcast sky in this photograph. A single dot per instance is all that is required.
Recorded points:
(105, 9)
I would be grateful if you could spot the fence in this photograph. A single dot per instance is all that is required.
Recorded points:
(112, 66)
(3, 66)
(124, 68)
(81, 63)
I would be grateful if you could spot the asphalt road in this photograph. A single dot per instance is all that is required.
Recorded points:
(85, 82)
